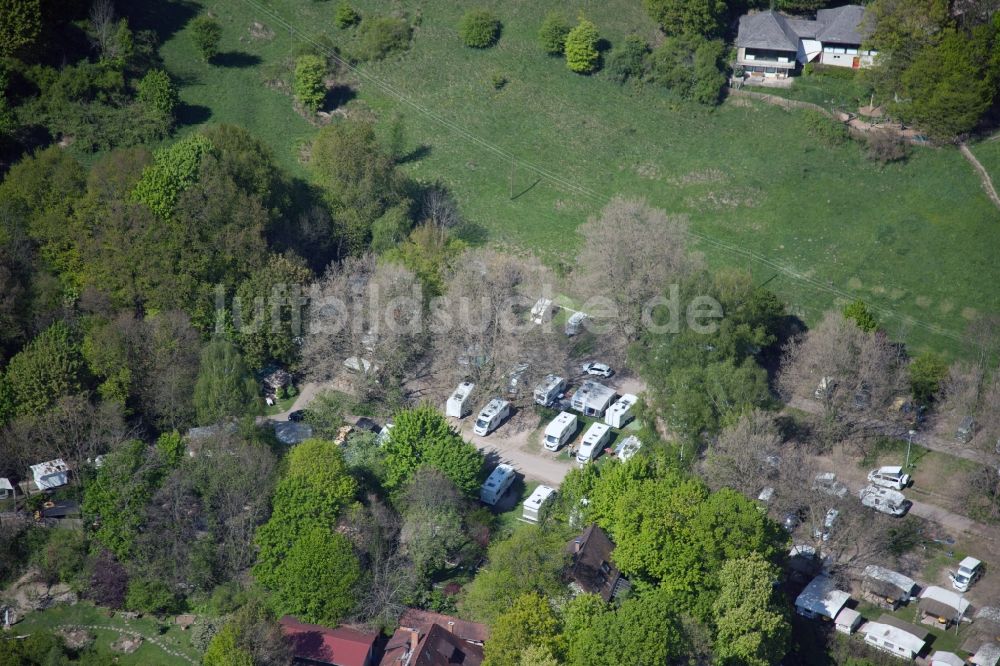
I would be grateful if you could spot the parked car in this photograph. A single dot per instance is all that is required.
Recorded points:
(889, 476)
(969, 571)
(828, 523)
(792, 519)
(597, 369)
(574, 323)
(827, 482)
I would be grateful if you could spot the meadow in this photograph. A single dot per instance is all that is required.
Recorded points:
(530, 161)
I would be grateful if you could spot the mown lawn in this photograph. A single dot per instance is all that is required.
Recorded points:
(817, 224)
(52, 619)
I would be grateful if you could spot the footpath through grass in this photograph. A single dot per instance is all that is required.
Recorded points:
(817, 224)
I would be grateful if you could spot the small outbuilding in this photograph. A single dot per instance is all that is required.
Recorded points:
(847, 621)
(592, 398)
(821, 599)
(886, 588)
(941, 658)
(942, 606)
(6, 488)
(892, 635)
(51, 474)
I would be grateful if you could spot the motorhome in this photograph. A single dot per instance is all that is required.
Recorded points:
(627, 448)
(592, 399)
(969, 571)
(559, 431)
(458, 403)
(889, 477)
(549, 390)
(500, 480)
(594, 440)
(620, 413)
(514, 378)
(492, 415)
(885, 500)
(533, 505)
(541, 310)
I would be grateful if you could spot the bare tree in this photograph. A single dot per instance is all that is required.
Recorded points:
(105, 29)
(853, 374)
(630, 254)
(747, 455)
(370, 313)
(439, 208)
(482, 330)
(960, 396)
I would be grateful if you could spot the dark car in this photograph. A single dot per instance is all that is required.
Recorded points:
(297, 415)
(365, 423)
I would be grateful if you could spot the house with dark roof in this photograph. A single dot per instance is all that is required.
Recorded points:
(313, 644)
(591, 568)
(431, 639)
(772, 45)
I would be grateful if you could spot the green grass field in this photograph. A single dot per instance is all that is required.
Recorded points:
(85, 614)
(819, 225)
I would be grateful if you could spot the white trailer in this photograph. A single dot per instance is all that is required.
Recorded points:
(620, 413)
(533, 505)
(492, 415)
(592, 398)
(594, 440)
(458, 403)
(627, 448)
(559, 431)
(500, 480)
(885, 500)
(549, 390)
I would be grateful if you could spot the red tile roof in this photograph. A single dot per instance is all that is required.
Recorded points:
(339, 647)
(414, 618)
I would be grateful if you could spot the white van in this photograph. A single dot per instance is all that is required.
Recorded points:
(458, 402)
(969, 571)
(620, 413)
(493, 414)
(533, 505)
(549, 390)
(559, 430)
(500, 480)
(594, 440)
(889, 477)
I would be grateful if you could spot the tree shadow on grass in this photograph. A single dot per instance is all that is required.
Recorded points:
(472, 233)
(193, 114)
(338, 96)
(236, 60)
(415, 155)
(165, 17)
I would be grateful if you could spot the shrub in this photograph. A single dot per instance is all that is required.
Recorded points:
(498, 81)
(582, 55)
(629, 60)
(690, 67)
(346, 15)
(479, 29)
(825, 129)
(308, 84)
(379, 36)
(151, 596)
(552, 34)
(156, 92)
(206, 32)
(172, 171)
(885, 146)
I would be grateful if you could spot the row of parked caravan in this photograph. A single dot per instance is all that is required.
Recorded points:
(499, 482)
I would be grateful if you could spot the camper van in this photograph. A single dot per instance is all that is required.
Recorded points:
(969, 571)
(533, 505)
(493, 414)
(627, 448)
(594, 440)
(889, 477)
(458, 404)
(549, 390)
(620, 413)
(885, 500)
(559, 431)
(500, 480)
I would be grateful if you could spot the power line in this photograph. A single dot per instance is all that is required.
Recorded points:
(565, 184)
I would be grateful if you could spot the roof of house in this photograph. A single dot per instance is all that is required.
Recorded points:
(56, 466)
(341, 646)
(591, 553)
(820, 597)
(887, 583)
(983, 630)
(897, 632)
(292, 432)
(431, 646)
(843, 25)
(940, 658)
(847, 617)
(943, 603)
(414, 618)
(986, 655)
(766, 30)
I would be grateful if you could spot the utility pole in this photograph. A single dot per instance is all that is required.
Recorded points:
(511, 177)
(909, 443)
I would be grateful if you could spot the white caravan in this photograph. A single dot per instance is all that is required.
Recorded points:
(885, 500)
(594, 440)
(620, 413)
(559, 431)
(493, 414)
(458, 403)
(549, 390)
(627, 448)
(533, 505)
(500, 480)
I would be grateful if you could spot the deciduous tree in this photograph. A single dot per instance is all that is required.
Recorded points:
(751, 626)
(529, 621)
(224, 388)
